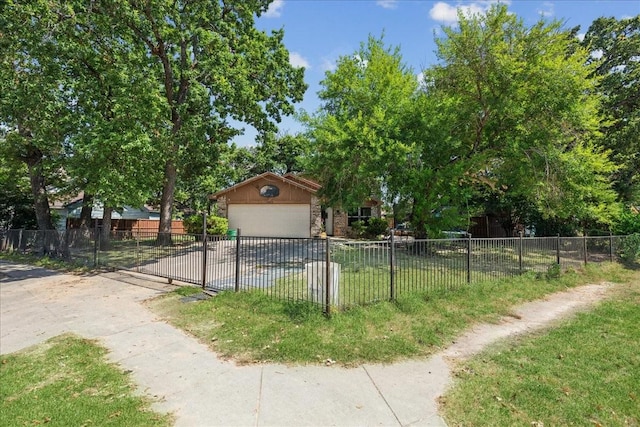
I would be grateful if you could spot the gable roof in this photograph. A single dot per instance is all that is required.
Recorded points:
(303, 184)
(304, 181)
(57, 202)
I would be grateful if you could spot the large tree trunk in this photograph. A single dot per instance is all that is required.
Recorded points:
(47, 238)
(166, 203)
(85, 213)
(105, 231)
(39, 190)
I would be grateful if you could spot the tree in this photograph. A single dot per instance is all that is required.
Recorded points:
(16, 201)
(358, 145)
(212, 64)
(280, 153)
(34, 104)
(524, 114)
(111, 155)
(615, 45)
(80, 74)
(115, 88)
(508, 112)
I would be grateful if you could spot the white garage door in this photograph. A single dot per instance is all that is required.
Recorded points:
(271, 220)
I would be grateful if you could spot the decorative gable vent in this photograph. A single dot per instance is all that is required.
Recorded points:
(269, 191)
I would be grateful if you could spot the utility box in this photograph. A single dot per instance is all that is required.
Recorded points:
(316, 276)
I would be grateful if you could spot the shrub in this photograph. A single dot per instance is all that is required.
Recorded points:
(553, 271)
(629, 250)
(376, 227)
(215, 225)
(628, 223)
(358, 228)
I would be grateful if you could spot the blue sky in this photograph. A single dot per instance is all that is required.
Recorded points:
(318, 32)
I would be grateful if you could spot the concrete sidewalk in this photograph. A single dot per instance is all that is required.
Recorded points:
(188, 380)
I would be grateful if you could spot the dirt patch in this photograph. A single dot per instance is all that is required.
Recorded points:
(527, 317)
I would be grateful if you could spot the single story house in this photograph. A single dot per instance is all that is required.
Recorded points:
(128, 218)
(60, 210)
(271, 205)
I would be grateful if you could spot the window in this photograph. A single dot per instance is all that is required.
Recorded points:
(269, 191)
(360, 214)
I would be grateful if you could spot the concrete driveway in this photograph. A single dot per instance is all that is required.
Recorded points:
(262, 262)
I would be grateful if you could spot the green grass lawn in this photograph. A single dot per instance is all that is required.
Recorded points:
(365, 273)
(585, 372)
(250, 326)
(67, 382)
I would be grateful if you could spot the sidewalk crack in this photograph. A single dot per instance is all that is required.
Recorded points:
(382, 396)
(259, 397)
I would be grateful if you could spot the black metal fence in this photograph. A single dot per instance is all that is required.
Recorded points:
(329, 272)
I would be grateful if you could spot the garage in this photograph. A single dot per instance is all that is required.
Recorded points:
(271, 220)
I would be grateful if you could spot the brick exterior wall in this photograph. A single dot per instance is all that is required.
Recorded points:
(340, 222)
(341, 219)
(316, 217)
(222, 207)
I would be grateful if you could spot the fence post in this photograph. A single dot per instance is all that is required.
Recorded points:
(20, 239)
(95, 243)
(520, 253)
(610, 246)
(138, 251)
(558, 249)
(327, 276)
(391, 267)
(204, 250)
(469, 259)
(237, 279)
(584, 246)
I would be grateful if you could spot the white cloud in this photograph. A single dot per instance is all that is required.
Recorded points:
(448, 14)
(581, 36)
(388, 4)
(328, 64)
(275, 9)
(597, 54)
(298, 61)
(444, 12)
(548, 10)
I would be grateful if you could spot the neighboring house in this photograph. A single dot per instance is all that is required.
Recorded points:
(270, 205)
(61, 211)
(144, 219)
